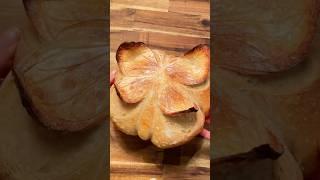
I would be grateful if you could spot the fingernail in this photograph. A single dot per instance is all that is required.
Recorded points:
(205, 133)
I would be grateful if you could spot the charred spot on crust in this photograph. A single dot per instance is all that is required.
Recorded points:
(201, 47)
(127, 46)
(190, 110)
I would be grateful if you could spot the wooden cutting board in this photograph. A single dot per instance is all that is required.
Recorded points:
(174, 26)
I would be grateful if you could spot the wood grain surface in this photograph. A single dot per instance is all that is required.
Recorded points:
(174, 26)
(171, 25)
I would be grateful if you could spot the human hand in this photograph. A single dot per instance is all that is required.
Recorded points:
(112, 77)
(205, 132)
(8, 44)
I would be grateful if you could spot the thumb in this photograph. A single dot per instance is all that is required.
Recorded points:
(8, 44)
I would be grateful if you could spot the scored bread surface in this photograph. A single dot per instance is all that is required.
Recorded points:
(160, 97)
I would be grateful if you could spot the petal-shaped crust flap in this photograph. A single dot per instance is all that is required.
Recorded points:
(193, 68)
(146, 120)
(173, 100)
(132, 89)
(201, 95)
(122, 114)
(257, 37)
(173, 131)
(136, 59)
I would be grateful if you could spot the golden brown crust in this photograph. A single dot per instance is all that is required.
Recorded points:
(144, 124)
(172, 100)
(193, 68)
(132, 89)
(119, 113)
(135, 59)
(137, 65)
(201, 94)
(124, 47)
(165, 110)
(201, 48)
(177, 130)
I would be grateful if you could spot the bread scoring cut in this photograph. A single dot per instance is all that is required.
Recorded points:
(158, 96)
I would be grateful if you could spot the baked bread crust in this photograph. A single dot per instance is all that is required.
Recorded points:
(160, 97)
